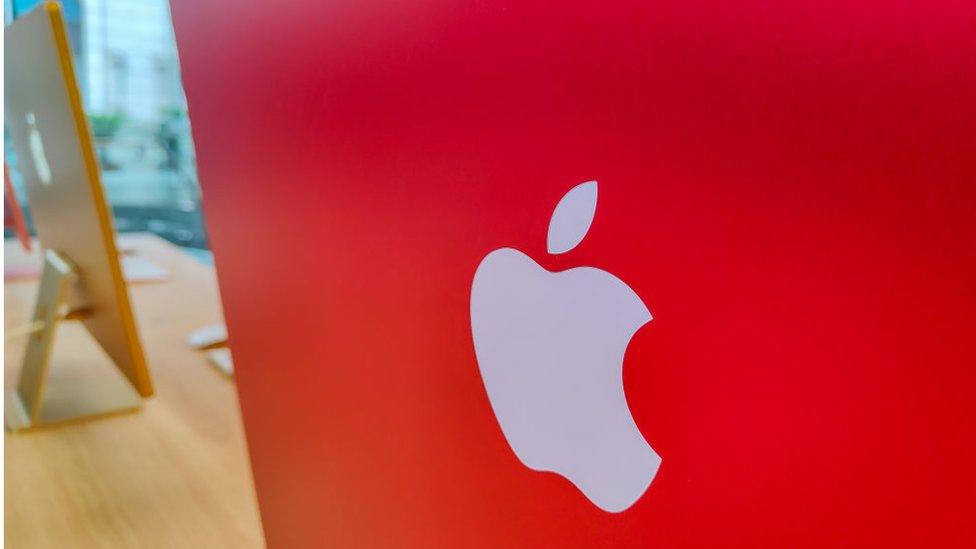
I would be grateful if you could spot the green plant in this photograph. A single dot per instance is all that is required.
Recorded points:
(105, 125)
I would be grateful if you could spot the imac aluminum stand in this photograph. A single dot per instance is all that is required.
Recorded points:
(40, 402)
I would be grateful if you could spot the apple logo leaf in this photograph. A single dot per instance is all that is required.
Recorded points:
(572, 218)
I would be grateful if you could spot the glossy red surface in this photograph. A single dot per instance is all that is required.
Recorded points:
(790, 188)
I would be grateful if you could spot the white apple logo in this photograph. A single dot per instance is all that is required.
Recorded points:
(550, 347)
(41, 166)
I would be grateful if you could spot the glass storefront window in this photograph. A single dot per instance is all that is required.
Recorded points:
(128, 71)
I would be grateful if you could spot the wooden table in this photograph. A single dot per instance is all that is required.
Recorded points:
(176, 473)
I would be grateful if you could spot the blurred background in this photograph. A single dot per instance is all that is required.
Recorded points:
(128, 70)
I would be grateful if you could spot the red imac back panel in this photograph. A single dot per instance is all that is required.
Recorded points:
(648, 274)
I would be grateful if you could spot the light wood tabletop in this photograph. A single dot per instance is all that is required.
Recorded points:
(175, 473)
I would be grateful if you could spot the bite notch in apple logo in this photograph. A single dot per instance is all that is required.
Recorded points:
(550, 347)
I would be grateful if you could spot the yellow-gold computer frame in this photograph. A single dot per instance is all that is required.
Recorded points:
(82, 277)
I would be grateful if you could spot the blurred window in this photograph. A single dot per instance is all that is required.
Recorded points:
(128, 72)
